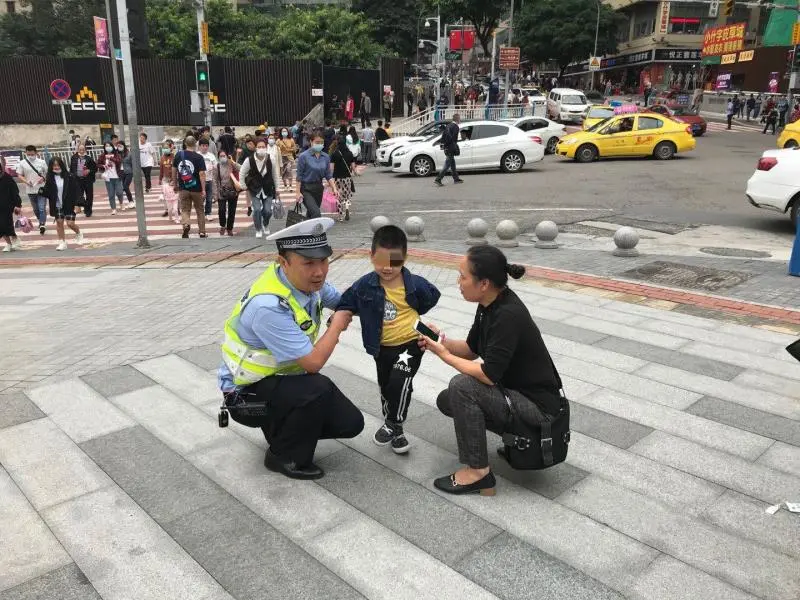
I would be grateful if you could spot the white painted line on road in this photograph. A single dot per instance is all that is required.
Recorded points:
(481, 210)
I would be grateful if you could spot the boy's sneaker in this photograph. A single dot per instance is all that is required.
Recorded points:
(400, 445)
(384, 435)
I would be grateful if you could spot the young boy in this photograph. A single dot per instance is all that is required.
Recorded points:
(389, 301)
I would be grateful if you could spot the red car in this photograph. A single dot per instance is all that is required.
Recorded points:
(684, 115)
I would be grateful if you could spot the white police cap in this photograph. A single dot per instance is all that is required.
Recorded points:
(308, 238)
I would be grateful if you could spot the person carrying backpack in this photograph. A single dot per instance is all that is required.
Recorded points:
(189, 180)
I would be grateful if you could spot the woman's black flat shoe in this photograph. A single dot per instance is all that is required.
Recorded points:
(484, 487)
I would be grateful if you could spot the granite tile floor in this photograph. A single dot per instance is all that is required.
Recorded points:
(117, 483)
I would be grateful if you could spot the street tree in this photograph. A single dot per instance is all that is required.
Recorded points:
(396, 24)
(564, 30)
(332, 35)
(50, 28)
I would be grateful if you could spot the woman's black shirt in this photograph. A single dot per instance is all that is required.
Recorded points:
(513, 351)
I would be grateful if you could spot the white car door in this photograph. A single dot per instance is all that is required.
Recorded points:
(489, 143)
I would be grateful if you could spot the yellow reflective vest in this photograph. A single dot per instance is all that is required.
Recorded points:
(248, 364)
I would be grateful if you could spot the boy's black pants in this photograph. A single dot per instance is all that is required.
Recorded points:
(397, 366)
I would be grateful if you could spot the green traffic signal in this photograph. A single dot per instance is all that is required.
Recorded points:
(201, 76)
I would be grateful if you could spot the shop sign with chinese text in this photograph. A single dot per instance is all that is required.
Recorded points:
(724, 40)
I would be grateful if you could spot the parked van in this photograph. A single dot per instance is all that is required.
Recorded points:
(565, 104)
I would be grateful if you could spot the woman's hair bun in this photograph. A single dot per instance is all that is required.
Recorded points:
(515, 271)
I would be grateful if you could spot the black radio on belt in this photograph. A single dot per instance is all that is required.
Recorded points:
(239, 406)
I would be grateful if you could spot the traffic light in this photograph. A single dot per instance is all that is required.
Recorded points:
(202, 77)
(727, 7)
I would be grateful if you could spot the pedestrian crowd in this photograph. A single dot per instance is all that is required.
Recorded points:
(772, 112)
(317, 165)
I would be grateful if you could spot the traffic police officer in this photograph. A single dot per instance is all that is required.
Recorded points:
(272, 355)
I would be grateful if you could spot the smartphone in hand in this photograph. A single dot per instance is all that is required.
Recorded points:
(426, 331)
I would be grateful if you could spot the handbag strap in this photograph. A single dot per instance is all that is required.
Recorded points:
(339, 150)
(35, 170)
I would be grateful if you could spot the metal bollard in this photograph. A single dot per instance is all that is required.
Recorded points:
(414, 228)
(546, 233)
(507, 232)
(477, 230)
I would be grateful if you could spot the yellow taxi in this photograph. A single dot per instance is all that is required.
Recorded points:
(646, 134)
(790, 136)
(597, 113)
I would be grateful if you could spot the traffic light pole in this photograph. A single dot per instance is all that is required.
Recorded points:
(113, 57)
(204, 99)
(133, 127)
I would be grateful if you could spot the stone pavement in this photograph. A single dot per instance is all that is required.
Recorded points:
(117, 483)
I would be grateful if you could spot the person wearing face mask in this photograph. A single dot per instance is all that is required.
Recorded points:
(288, 154)
(313, 169)
(260, 175)
(61, 191)
(84, 169)
(127, 174)
(31, 171)
(274, 153)
(168, 195)
(226, 191)
(109, 163)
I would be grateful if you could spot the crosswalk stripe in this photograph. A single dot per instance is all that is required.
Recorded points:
(103, 227)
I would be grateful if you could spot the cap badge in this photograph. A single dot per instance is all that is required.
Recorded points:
(318, 229)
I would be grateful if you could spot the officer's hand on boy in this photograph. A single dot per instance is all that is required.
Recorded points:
(340, 320)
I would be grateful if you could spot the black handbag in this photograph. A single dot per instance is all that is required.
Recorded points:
(536, 447)
(295, 216)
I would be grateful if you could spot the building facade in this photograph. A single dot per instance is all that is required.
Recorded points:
(661, 42)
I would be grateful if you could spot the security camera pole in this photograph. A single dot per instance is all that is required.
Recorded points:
(133, 126)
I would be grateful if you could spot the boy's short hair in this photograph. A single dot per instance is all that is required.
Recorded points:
(30, 148)
(390, 237)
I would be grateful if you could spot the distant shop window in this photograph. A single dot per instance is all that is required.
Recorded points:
(11, 6)
(643, 28)
(689, 19)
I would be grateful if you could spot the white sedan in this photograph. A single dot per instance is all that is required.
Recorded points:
(483, 145)
(387, 147)
(775, 185)
(549, 132)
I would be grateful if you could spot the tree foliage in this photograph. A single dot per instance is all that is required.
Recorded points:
(563, 30)
(50, 28)
(397, 24)
(330, 34)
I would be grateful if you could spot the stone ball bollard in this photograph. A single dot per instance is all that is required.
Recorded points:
(378, 222)
(626, 239)
(507, 232)
(414, 228)
(477, 230)
(546, 233)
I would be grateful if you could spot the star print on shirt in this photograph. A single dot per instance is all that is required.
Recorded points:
(403, 357)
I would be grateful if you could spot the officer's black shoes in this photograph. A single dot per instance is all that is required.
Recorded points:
(400, 444)
(484, 487)
(290, 468)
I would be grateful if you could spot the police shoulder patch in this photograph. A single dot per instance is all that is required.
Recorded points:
(306, 325)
